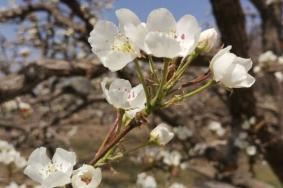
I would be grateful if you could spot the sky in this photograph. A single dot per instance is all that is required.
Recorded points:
(201, 9)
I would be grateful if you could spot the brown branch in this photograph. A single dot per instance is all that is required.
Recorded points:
(21, 12)
(134, 123)
(29, 77)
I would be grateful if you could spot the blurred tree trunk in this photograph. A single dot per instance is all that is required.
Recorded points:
(271, 17)
(231, 23)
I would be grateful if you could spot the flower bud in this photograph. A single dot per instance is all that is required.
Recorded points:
(208, 40)
(161, 134)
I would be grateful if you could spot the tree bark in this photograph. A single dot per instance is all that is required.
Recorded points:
(271, 26)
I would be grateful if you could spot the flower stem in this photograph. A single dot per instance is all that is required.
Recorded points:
(159, 93)
(178, 98)
(141, 78)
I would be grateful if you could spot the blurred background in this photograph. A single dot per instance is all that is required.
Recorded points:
(50, 94)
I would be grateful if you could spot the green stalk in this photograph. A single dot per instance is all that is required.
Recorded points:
(179, 98)
(159, 93)
(141, 78)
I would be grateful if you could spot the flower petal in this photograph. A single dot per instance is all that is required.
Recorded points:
(126, 16)
(65, 159)
(248, 82)
(118, 93)
(188, 32)
(102, 37)
(39, 156)
(137, 97)
(115, 60)
(161, 20)
(247, 63)
(221, 65)
(137, 35)
(220, 53)
(56, 179)
(33, 172)
(161, 45)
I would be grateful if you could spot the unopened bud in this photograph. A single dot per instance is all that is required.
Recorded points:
(208, 40)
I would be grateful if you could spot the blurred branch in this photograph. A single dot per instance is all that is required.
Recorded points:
(29, 77)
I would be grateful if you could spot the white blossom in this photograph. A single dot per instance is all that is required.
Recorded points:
(177, 185)
(146, 181)
(86, 177)
(216, 127)
(279, 76)
(120, 94)
(183, 132)
(9, 155)
(51, 173)
(112, 47)
(161, 35)
(168, 38)
(251, 150)
(161, 134)
(172, 158)
(266, 57)
(15, 185)
(208, 40)
(231, 70)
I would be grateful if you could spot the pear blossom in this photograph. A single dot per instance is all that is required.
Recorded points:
(50, 173)
(15, 185)
(121, 95)
(183, 132)
(172, 158)
(208, 40)
(161, 134)
(279, 76)
(161, 35)
(216, 127)
(251, 150)
(177, 185)
(9, 155)
(231, 70)
(146, 181)
(266, 57)
(86, 177)
(168, 38)
(112, 46)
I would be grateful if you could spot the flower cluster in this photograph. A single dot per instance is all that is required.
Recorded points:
(9, 155)
(59, 171)
(160, 40)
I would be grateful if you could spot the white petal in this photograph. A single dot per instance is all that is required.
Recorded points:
(137, 35)
(234, 75)
(118, 93)
(248, 82)
(221, 65)
(105, 90)
(126, 16)
(33, 172)
(56, 179)
(102, 37)
(247, 63)
(115, 61)
(188, 32)
(87, 171)
(220, 53)
(161, 45)
(65, 159)
(161, 20)
(38, 156)
(137, 97)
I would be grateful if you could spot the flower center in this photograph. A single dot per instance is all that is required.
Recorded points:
(122, 44)
(86, 179)
(49, 169)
